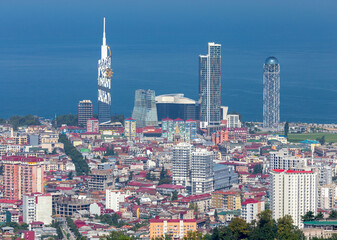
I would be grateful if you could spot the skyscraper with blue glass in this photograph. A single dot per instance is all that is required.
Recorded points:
(104, 81)
(145, 110)
(210, 86)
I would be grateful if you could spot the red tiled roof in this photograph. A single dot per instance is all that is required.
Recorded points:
(249, 201)
(170, 186)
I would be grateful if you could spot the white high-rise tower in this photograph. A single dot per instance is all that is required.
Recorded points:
(104, 81)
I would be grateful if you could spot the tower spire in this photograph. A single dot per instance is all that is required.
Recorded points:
(104, 39)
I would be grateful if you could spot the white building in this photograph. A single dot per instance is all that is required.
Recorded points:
(282, 159)
(325, 175)
(37, 207)
(250, 209)
(326, 196)
(113, 198)
(181, 164)
(130, 128)
(233, 121)
(293, 193)
(202, 171)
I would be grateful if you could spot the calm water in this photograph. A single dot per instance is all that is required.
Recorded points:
(49, 53)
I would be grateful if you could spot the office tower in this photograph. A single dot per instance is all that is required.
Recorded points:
(293, 193)
(175, 228)
(181, 161)
(271, 93)
(130, 128)
(145, 110)
(84, 112)
(22, 175)
(250, 209)
(104, 82)
(210, 86)
(282, 159)
(92, 125)
(202, 171)
(177, 106)
(113, 198)
(37, 207)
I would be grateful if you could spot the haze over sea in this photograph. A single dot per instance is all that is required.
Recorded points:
(49, 52)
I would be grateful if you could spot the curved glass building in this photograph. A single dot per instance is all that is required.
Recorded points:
(271, 93)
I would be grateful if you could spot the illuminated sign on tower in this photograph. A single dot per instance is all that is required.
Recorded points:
(104, 82)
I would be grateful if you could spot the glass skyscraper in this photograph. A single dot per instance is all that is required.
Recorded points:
(104, 82)
(210, 86)
(145, 110)
(271, 93)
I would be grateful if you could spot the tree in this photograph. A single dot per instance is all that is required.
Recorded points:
(309, 216)
(70, 175)
(68, 119)
(265, 227)
(193, 235)
(216, 215)
(109, 151)
(258, 168)
(286, 230)
(239, 228)
(286, 129)
(174, 195)
(321, 140)
(118, 118)
(116, 236)
(130, 176)
(333, 215)
(319, 216)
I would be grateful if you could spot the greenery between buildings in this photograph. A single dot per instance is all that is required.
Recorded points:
(68, 119)
(298, 137)
(81, 165)
(72, 226)
(111, 220)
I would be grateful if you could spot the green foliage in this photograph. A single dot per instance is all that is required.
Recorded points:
(17, 227)
(150, 176)
(112, 220)
(194, 235)
(130, 176)
(72, 226)
(81, 165)
(286, 230)
(333, 215)
(2, 121)
(266, 227)
(309, 216)
(57, 225)
(216, 215)
(166, 237)
(116, 236)
(286, 129)
(18, 121)
(118, 118)
(193, 206)
(258, 168)
(70, 175)
(297, 137)
(321, 140)
(319, 216)
(164, 177)
(69, 119)
(109, 151)
(239, 228)
(174, 195)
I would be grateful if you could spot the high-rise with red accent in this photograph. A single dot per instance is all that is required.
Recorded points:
(22, 175)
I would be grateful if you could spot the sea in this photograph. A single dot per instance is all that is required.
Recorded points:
(49, 52)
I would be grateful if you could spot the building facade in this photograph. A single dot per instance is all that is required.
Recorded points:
(202, 171)
(177, 106)
(271, 93)
(293, 193)
(177, 228)
(130, 128)
(92, 125)
(282, 159)
(181, 162)
(224, 177)
(37, 207)
(145, 110)
(210, 86)
(113, 198)
(250, 209)
(22, 175)
(84, 112)
(104, 82)
(178, 128)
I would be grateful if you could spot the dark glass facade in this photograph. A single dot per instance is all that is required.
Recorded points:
(174, 110)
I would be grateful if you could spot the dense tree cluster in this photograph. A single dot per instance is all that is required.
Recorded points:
(111, 220)
(68, 119)
(118, 118)
(18, 121)
(164, 177)
(258, 168)
(81, 165)
(72, 226)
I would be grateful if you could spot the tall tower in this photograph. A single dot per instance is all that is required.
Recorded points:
(210, 86)
(84, 112)
(271, 93)
(104, 82)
